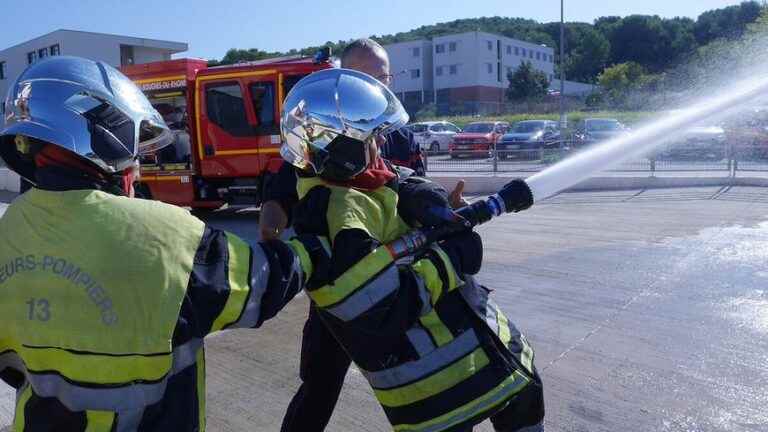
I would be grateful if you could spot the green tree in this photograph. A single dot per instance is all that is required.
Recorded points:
(606, 24)
(586, 50)
(527, 83)
(759, 28)
(618, 81)
(679, 39)
(640, 39)
(589, 57)
(657, 44)
(235, 55)
(730, 22)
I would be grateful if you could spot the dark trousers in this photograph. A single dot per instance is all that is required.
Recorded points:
(324, 364)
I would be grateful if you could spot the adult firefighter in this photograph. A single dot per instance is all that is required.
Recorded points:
(399, 147)
(437, 352)
(105, 300)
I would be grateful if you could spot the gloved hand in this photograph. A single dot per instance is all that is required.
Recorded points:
(272, 220)
(422, 202)
(465, 251)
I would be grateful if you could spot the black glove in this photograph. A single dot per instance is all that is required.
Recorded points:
(425, 203)
(465, 251)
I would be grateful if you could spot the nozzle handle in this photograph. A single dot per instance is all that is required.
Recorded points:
(514, 197)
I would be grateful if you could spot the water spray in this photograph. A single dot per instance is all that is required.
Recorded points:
(521, 194)
(615, 151)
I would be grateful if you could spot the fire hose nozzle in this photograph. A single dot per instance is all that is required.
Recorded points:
(515, 196)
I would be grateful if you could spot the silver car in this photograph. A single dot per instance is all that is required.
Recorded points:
(434, 136)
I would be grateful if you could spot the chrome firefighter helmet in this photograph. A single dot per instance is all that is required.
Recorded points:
(330, 118)
(84, 106)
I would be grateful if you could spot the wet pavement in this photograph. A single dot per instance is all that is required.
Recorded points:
(648, 311)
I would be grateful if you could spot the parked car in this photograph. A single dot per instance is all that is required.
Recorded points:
(526, 138)
(434, 136)
(748, 135)
(595, 130)
(477, 139)
(700, 143)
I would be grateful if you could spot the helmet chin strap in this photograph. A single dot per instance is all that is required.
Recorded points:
(130, 176)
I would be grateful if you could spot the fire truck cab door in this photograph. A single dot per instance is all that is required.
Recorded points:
(239, 127)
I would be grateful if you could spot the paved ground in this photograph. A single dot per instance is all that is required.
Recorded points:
(647, 310)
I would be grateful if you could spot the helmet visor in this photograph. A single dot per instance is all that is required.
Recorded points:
(332, 103)
(154, 136)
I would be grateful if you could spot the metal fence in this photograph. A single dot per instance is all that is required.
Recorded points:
(716, 158)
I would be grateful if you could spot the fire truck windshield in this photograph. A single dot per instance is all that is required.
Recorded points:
(173, 107)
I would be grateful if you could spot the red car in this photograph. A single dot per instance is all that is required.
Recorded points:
(477, 139)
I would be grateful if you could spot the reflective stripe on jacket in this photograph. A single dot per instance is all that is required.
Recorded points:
(437, 353)
(106, 301)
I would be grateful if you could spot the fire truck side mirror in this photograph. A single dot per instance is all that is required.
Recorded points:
(323, 55)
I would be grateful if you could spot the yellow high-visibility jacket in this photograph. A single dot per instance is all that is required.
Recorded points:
(438, 353)
(105, 301)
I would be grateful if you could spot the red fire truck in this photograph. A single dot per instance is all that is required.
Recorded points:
(226, 122)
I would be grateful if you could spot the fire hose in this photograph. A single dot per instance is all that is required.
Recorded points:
(514, 197)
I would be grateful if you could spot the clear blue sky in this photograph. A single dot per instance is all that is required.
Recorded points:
(212, 27)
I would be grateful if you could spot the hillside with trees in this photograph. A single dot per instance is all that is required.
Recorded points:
(652, 43)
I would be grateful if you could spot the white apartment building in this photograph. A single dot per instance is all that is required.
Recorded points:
(113, 49)
(413, 79)
(467, 69)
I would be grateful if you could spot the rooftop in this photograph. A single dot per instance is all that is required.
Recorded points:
(173, 46)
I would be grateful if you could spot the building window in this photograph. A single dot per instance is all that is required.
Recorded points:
(517, 51)
(226, 109)
(415, 73)
(42, 53)
(525, 53)
(439, 71)
(263, 99)
(452, 46)
(31, 57)
(551, 58)
(439, 48)
(126, 55)
(530, 54)
(489, 67)
(416, 51)
(538, 56)
(3, 71)
(509, 49)
(490, 45)
(453, 69)
(55, 50)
